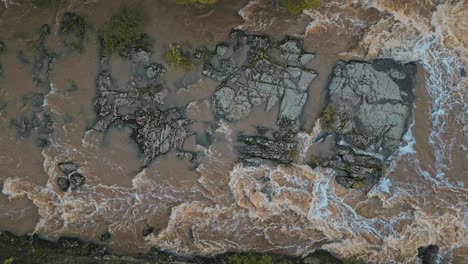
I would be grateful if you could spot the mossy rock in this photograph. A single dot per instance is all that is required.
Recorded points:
(328, 114)
(177, 56)
(297, 6)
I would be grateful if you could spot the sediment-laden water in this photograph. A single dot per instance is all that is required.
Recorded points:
(219, 156)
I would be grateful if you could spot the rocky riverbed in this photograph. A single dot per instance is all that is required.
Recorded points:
(190, 133)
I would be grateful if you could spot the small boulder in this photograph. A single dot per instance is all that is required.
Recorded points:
(429, 254)
(63, 183)
(105, 236)
(76, 180)
(148, 230)
(67, 167)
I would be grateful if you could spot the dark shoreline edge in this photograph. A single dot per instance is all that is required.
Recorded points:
(31, 249)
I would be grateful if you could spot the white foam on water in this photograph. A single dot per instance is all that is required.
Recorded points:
(427, 41)
(307, 140)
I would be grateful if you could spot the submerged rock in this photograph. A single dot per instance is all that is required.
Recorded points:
(255, 70)
(369, 108)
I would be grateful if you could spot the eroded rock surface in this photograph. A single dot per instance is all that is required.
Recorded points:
(279, 146)
(137, 107)
(255, 70)
(369, 107)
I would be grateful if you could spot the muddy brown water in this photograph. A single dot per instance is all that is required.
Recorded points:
(220, 205)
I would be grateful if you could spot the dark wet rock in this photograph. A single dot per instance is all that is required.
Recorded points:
(280, 147)
(463, 72)
(158, 131)
(148, 230)
(369, 108)
(429, 254)
(105, 236)
(63, 183)
(76, 180)
(67, 167)
(278, 150)
(154, 130)
(255, 70)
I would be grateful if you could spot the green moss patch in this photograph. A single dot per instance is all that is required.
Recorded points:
(328, 114)
(123, 31)
(315, 161)
(297, 6)
(177, 56)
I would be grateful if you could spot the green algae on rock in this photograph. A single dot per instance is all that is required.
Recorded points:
(124, 30)
(177, 56)
(297, 6)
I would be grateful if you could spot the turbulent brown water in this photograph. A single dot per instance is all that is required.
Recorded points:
(218, 206)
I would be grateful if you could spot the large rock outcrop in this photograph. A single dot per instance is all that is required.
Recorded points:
(255, 70)
(137, 107)
(369, 108)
